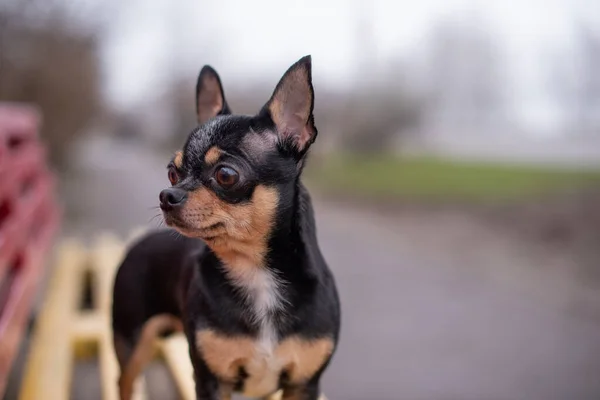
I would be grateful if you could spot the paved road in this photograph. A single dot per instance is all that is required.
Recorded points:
(435, 307)
(427, 329)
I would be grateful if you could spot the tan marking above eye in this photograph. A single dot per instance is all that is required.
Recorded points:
(299, 357)
(178, 159)
(212, 155)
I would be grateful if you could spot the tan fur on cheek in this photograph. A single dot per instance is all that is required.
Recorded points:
(247, 226)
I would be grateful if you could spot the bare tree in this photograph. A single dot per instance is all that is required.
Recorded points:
(574, 81)
(586, 96)
(465, 74)
(380, 107)
(49, 57)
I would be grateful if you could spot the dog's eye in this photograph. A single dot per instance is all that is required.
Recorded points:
(173, 177)
(226, 177)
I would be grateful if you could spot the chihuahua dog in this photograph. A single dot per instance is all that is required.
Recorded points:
(240, 272)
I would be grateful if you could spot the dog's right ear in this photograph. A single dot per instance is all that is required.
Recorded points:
(210, 98)
(291, 107)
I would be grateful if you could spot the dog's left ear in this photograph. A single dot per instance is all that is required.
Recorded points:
(210, 98)
(291, 107)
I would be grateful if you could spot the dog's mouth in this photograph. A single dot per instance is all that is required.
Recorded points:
(175, 221)
(207, 231)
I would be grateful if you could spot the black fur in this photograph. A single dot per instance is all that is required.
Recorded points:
(166, 272)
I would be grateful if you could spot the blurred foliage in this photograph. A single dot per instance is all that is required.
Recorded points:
(372, 119)
(367, 119)
(48, 59)
(436, 179)
(574, 81)
(466, 72)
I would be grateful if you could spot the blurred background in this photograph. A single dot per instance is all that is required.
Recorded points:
(456, 175)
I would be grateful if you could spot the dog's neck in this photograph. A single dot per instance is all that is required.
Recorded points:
(268, 282)
(290, 246)
(293, 247)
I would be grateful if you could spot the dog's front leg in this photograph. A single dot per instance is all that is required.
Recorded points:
(310, 391)
(208, 386)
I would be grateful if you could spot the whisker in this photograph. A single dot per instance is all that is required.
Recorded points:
(157, 220)
(152, 219)
(174, 234)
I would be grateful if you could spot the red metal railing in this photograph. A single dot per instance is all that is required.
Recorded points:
(28, 220)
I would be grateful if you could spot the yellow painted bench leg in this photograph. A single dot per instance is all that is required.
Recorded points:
(50, 363)
(106, 255)
(175, 352)
(61, 328)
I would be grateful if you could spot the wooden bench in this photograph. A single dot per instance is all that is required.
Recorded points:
(28, 220)
(65, 332)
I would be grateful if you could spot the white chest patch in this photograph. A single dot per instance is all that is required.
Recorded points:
(262, 291)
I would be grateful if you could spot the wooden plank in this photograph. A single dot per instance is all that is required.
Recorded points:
(174, 351)
(95, 325)
(109, 368)
(85, 334)
(49, 368)
(87, 326)
(26, 228)
(62, 327)
(106, 254)
(140, 389)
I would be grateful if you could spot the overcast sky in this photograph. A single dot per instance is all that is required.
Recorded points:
(244, 40)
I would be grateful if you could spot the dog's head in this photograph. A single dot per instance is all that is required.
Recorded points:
(236, 173)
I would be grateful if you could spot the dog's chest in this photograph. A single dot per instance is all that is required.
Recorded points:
(265, 357)
(264, 298)
(298, 358)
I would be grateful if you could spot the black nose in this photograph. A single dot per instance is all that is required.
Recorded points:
(172, 197)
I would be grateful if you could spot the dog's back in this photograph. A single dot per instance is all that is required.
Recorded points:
(147, 293)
